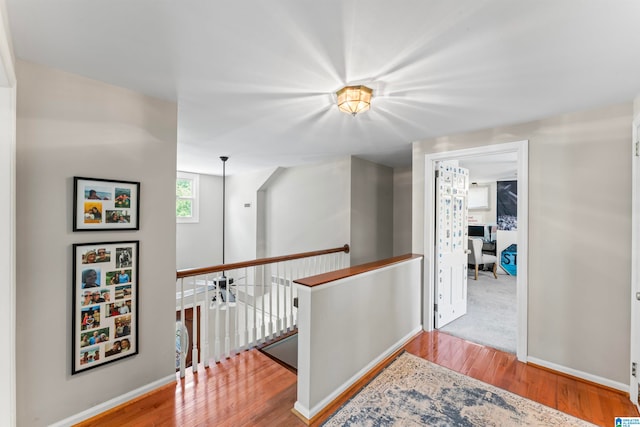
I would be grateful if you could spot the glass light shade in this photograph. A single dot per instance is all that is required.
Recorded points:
(354, 99)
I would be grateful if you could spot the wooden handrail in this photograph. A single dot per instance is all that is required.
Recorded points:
(261, 261)
(332, 276)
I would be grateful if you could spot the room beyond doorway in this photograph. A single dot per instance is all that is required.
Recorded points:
(491, 318)
(521, 150)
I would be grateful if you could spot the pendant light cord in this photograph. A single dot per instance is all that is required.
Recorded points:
(224, 162)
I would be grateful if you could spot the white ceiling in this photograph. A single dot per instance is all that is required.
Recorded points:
(255, 79)
(491, 167)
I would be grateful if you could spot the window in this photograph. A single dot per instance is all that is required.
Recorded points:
(479, 197)
(187, 197)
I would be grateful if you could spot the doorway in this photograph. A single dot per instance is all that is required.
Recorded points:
(520, 148)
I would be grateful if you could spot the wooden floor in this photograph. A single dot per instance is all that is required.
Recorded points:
(253, 390)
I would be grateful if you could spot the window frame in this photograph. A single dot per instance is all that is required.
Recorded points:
(195, 197)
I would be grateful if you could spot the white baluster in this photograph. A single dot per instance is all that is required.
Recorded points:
(300, 274)
(278, 320)
(246, 309)
(271, 327)
(236, 336)
(227, 339)
(290, 289)
(254, 330)
(205, 323)
(263, 306)
(194, 327)
(183, 355)
(285, 298)
(216, 333)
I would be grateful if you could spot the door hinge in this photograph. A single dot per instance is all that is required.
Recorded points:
(634, 368)
(637, 148)
(435, 307)
(438, 172)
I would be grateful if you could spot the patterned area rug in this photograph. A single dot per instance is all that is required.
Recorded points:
(415, 392)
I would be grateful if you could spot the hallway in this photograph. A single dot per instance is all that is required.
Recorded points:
(253, 390)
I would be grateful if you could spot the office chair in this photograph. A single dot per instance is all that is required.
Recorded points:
(477, 258)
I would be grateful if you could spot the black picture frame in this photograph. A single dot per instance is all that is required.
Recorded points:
(507, 205)
(105, 303)
(105, 204)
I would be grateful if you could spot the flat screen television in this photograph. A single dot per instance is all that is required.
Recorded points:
(476, 231)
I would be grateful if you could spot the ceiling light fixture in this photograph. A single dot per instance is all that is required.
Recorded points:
(354, 99)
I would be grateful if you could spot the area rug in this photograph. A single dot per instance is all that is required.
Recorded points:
(415, 392)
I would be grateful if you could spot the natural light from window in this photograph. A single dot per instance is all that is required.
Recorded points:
(187, 197)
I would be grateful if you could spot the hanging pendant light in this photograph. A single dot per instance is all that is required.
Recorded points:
(354, 99)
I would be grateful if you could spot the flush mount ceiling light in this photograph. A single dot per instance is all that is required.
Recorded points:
(354, 99)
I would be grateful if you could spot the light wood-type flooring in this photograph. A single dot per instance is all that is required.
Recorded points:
(252, 390)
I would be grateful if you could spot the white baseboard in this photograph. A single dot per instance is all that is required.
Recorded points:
(310, 413)
(579, 374)
(105, 406)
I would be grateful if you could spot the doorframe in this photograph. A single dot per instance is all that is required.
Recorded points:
(635, 259)
(521, 148)
(8, 113)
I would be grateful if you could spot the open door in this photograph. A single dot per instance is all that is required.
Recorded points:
(452, 187)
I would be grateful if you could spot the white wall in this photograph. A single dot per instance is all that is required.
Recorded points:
(7, 223)
(371, 211)
(402, 211)
(199, 244)
(241, 221)
(579, 208)
(316, 207)
(71, 126)
(372, 315)
(308, 208)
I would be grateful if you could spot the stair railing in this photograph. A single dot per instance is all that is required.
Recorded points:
(240, 305)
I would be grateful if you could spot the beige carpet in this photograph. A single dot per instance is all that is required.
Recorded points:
(415, 392)
(491, 317)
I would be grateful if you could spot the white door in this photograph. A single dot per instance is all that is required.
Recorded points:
(634, 383)
(452, 187)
